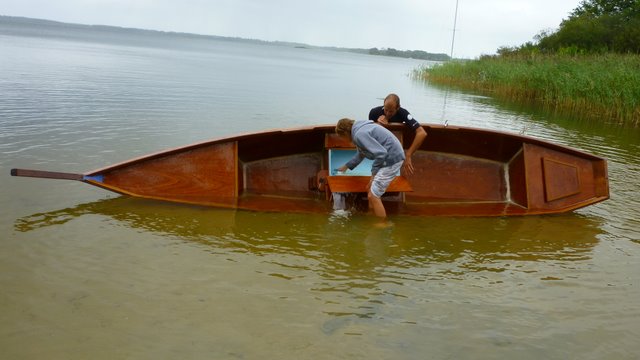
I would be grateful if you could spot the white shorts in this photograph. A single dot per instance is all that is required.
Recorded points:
(384, 177)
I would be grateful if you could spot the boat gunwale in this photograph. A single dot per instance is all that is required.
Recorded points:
(329, 129)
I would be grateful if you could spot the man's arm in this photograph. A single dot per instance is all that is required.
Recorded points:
(351, 164)
(421, 134)
(376, 114)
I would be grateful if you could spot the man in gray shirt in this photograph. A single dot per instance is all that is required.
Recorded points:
(380, 145)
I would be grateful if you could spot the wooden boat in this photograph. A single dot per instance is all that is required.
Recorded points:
(459, 171)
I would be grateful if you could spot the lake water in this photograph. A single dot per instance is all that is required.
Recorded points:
(87, 274)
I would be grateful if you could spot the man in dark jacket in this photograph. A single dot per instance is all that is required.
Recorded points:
(391, 112)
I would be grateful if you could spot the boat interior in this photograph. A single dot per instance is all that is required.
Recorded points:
(457, 172)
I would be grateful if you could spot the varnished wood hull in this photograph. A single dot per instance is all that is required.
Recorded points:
(459, 172)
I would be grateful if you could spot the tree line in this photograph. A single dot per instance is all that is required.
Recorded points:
(595, 26)
(412, 54)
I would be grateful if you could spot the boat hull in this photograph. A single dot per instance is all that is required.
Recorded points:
(459, 172)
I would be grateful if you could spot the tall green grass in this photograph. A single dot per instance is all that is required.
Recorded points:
(606, 86)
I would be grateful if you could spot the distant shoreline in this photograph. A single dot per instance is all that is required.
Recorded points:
(22, 26)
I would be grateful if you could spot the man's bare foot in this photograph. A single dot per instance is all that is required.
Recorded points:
(383, 224)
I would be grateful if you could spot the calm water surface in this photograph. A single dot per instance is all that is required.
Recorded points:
(88, 274)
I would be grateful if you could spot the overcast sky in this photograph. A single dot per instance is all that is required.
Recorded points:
(482, 25)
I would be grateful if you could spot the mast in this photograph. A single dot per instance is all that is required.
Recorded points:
(455, 20)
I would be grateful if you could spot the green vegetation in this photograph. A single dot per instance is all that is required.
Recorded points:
(597, 85)
(590, 66)
(595, 26)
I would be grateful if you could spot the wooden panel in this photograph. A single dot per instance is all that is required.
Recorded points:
(476, 143)
(359, 184)
(557, 180)
(201, 175)
(601, 178)
(280, 203)
(282, 174)
(456, 177)
(560, 179)
(334, 141)
(277, 144)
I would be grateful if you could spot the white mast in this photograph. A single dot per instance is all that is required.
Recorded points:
(455, 20)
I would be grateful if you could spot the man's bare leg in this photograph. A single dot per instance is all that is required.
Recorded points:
(375, 203)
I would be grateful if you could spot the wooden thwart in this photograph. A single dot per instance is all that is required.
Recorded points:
(359, 184)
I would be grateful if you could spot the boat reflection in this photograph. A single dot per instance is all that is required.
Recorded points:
(344, 246)
(353, 269)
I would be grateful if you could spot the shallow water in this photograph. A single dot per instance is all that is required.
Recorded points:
(88, 274)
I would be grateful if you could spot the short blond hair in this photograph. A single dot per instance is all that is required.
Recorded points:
(344, 126)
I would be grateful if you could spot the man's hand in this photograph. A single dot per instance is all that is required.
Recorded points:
(383, 120)
(407, 167)
(421, 134)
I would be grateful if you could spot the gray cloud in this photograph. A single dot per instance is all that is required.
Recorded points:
(483, 26)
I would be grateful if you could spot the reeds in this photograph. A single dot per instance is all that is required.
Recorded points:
(606, 86)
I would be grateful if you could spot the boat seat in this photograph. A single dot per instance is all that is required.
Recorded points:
(346, 183)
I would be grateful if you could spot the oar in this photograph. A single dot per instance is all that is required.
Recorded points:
(46, 174)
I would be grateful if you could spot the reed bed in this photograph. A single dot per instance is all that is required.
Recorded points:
(605, 86)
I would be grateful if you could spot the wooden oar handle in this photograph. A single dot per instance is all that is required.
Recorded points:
(46, 174)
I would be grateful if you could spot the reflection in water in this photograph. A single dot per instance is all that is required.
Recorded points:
(360, 275)
(349, 247)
